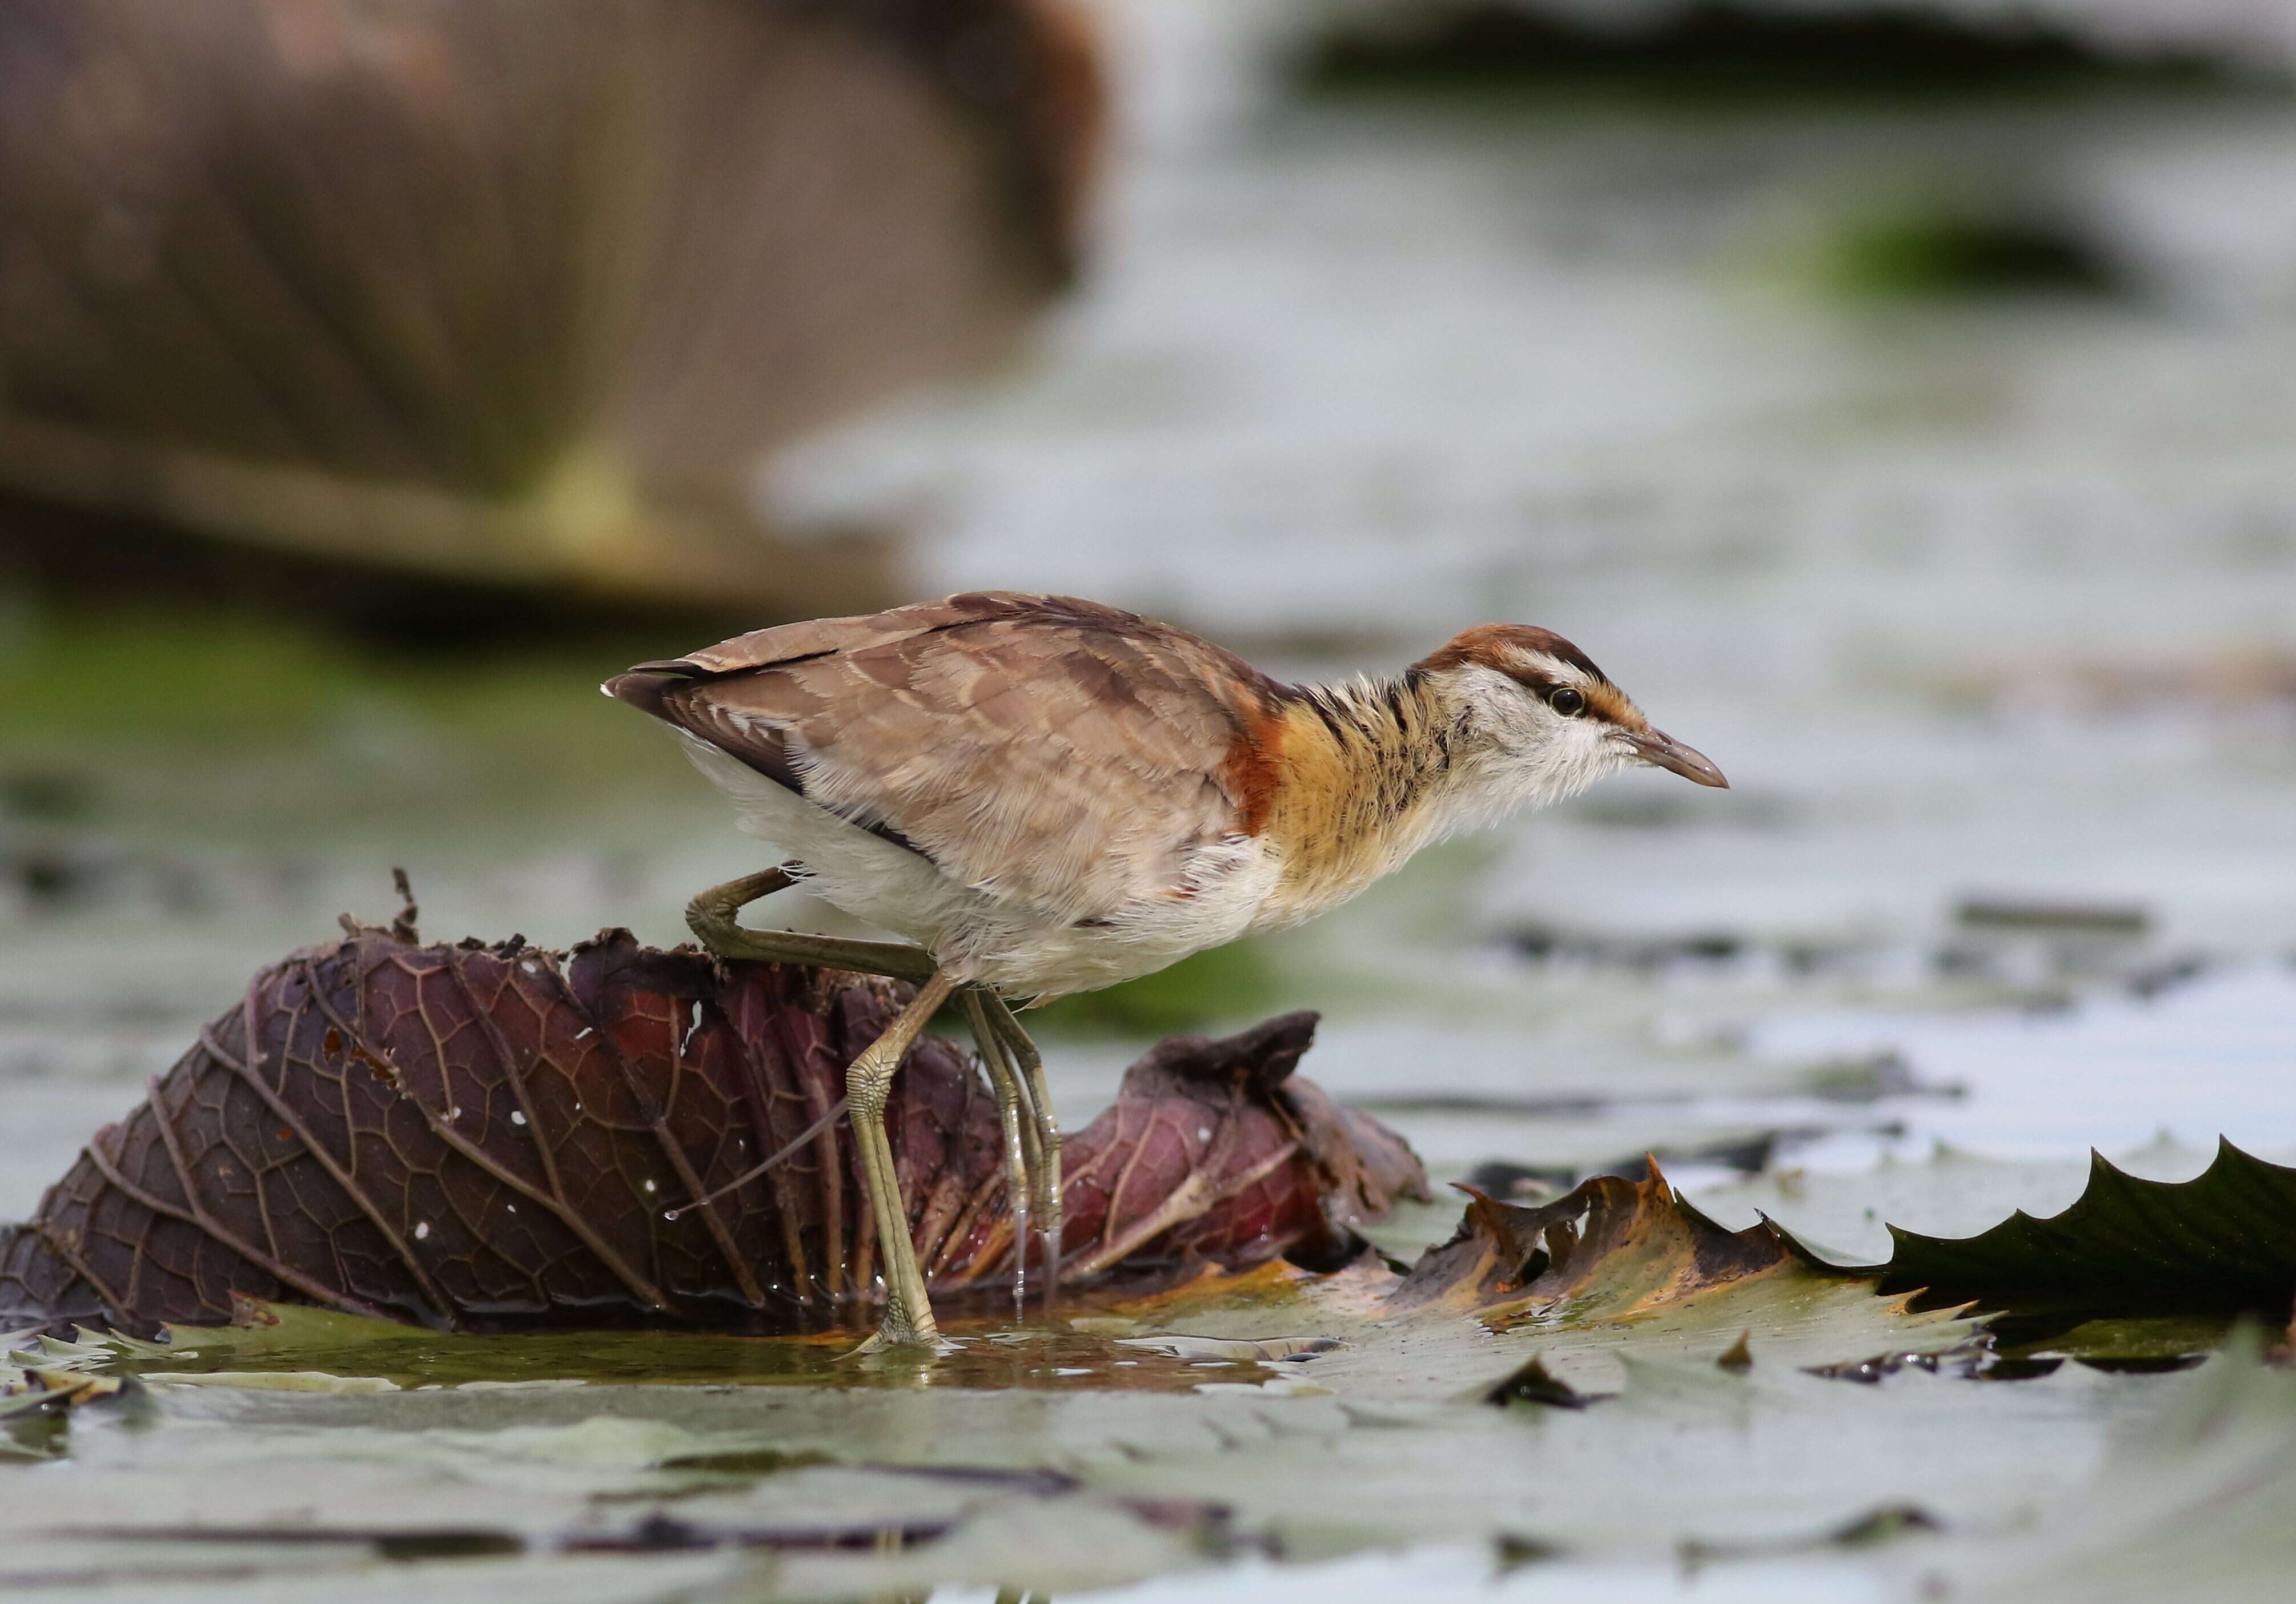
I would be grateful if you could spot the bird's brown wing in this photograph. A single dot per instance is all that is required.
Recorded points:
(1043, 749)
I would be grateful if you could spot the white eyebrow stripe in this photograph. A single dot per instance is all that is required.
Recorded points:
(1548, 667)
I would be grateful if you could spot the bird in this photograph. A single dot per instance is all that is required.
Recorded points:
(1043, 795)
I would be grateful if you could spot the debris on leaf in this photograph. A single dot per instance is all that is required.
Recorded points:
(1870, 1373)
(1531, 1384)
(1886, 1524)
(73, 1387)
(1626, 1243)
(2191, 1502)
(1263, 1351)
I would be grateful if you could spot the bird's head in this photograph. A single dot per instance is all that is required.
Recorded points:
(1548, 722)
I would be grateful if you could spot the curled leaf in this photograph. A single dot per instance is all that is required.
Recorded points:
(506, 1139)
(1614, 1268)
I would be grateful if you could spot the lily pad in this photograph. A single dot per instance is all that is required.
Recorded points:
(2222, 1242)
(2192, 1502)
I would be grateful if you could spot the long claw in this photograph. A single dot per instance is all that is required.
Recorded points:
(1010, 1100)
(877, 1342)
(1045, 1169)
(908, 1319)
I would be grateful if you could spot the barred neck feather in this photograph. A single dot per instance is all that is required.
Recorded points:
(1367, 773)
(1364, 773)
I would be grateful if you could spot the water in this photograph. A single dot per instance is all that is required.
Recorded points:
(1989, 599)
(1987, 606)
(1983, 600)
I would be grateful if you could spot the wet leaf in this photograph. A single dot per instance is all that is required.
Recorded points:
(2192, 1502)
(505, 1139)
(316, 1381)
(1614, 1268)
(985, 1354)
(244, 1480)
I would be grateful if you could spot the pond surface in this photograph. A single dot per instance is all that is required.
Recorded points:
(1986, 605)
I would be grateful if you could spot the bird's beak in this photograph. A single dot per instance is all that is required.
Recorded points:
(1662, 750)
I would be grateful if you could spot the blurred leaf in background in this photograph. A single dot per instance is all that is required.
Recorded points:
(509, 295)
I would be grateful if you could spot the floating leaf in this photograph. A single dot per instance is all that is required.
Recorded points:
(2191, 1502)
(503, 1139)
(2222, 1242)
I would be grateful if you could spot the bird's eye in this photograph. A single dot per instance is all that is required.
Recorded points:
(1566, 701)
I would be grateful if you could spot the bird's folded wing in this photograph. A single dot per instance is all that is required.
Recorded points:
(1044, 750)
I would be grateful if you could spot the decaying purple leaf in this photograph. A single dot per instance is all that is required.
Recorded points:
(505, 1137)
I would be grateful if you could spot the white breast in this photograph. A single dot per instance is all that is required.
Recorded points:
(979, 940)
(866, 875)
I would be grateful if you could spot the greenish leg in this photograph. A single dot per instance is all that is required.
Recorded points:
(868, 1081)
(710, 917)
(1045, 1162)
(908, 1312)
(1019, 1122)
(1016, 1069)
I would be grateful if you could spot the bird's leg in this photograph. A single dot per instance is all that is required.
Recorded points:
(1028, 1099)
(908, 1312)
(1012, 1096)
(710, 917)
(868, 1081)
(1045, 1162)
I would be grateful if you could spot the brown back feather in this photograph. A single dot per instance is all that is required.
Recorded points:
(1044, 748)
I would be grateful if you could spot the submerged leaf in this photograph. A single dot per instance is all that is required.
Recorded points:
(505, 1139)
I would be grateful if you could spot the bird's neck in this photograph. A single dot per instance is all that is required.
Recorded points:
(1364, 774)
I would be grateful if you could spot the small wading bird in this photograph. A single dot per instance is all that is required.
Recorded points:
(1049, 796)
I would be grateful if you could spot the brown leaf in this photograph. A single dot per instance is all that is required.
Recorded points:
(1615, 1267)
(1629, 1244)
(505, 1137)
